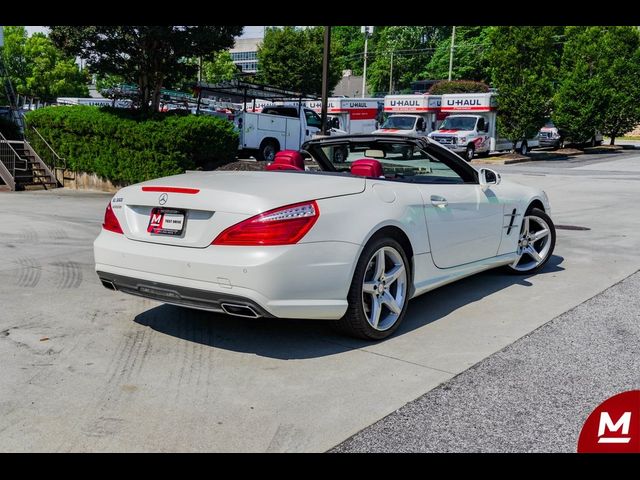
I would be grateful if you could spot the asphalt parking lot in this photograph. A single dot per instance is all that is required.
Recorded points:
(86, 369)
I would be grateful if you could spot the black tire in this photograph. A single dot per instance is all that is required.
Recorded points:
(469, 152)
(524, 148)
(267, 151)
(539, 213)
(354, 322)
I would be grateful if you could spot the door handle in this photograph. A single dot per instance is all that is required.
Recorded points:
(438, 201)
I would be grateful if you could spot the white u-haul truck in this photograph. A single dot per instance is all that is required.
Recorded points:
(414, 115)
(470, 127)
(352, 115)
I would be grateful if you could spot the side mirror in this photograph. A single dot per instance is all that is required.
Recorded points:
(486, 127)
(488, 177)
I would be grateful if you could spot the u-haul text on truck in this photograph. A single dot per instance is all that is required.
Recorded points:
(353, 115)
(414, 115)
(470, 127)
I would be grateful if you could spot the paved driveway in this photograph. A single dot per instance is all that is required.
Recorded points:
(86, 369)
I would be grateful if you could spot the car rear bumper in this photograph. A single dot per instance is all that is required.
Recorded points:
(309, 280)
(184, 296)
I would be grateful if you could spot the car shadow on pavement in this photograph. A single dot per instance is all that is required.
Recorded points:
(289, 339)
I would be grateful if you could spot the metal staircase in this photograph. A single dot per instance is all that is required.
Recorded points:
(21, 168)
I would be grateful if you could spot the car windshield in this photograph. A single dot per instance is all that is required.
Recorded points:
(400, 161)
(400, 123)
(458, 123)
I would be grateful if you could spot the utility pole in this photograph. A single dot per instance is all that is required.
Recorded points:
(453, 39)
(391, 75)
(367, 31)
(325, 79)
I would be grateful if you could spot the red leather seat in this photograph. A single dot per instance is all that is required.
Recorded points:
(367, 168)
(287, 160)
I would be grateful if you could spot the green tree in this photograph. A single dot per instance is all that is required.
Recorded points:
(149, 56)
(469, 56)
(349, 48)
(37, 68)
(52, 73)
(522, 62)
(220, 68)
(411, 49)
(599, 87)
(13, 55)
(291, 58)
(105, 82)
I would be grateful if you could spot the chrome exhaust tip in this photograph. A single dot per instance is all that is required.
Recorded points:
(239, 310)
(108, 284)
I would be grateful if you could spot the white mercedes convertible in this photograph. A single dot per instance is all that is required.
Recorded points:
(312, 237)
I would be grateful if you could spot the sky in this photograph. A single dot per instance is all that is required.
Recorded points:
(249, 31)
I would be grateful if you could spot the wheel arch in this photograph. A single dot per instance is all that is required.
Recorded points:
(270, 139)
(398, 234)
(535, 203)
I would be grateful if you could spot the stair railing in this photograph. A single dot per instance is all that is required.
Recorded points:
(10, 158)
(47, 154)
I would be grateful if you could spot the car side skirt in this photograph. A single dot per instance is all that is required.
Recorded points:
(429, 277)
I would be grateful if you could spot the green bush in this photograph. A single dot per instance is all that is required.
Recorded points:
(125, 147)
(458, 86)
(9, 129)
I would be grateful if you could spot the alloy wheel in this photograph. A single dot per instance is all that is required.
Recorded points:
(534, 244)
(384, 288)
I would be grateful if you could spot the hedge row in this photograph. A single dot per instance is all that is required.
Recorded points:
(458, 86)
(125, 148)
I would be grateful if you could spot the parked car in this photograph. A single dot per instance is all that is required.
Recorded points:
(350, 242)
(552, 136)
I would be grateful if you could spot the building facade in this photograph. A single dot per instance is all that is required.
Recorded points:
(245, 54)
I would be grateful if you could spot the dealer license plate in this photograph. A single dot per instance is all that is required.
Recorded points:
(166, 221)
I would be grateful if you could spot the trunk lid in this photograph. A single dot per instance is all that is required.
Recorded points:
(213, 201)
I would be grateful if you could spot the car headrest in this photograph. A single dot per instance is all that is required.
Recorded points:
(287, 160)
(366, 167)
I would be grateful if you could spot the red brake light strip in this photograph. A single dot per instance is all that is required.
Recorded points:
(190, 191)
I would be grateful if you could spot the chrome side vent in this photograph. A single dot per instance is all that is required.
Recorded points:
(513, 216)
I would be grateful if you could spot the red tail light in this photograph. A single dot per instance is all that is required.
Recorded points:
(111, 222)
(281, 226)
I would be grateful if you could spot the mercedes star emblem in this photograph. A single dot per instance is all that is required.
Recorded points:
(163, 199)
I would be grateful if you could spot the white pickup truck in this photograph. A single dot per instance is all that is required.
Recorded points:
(275, 128)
